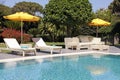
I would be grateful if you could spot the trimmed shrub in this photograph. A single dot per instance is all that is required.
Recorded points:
(12, 33)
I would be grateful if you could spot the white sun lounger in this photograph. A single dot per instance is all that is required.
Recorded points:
(40, 44)
(13, 45)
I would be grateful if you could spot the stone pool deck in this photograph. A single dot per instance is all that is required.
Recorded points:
(4, 55)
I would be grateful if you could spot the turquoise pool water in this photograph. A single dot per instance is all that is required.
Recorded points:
(63, 68)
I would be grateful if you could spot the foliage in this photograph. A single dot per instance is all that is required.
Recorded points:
(30, 7)
(4, 10)
(106, 30)
(50, 30)
(106, 15)
(116, 28)
(115, 7)
(110, 7)
(68, 13)
(47, 29)
(12, 33)
(29, 25)
(34, 32)
(12, 24)
(86, 30)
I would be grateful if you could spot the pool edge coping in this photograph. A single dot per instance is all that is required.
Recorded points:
(57, 55)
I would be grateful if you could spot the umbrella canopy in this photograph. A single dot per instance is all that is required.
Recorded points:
(21, 16)
(98, 23)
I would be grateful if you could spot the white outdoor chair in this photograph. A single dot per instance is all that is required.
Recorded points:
(68, 42)
(71, 42)
(40, 44)
(13, 45)
(94, 41)
(97, 41)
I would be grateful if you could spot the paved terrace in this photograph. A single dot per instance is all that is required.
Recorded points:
(11, 55)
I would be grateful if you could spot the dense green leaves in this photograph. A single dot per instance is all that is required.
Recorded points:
(115, 19)
(115, 7)
(12, 24)
(4, 10)
(30, 7)
(106, 15)
(68, 12)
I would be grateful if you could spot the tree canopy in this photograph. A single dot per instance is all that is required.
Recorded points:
(115, 19)
(4, 10)
(30, 7)
(69, 13)
(115, 7)
(106, 15)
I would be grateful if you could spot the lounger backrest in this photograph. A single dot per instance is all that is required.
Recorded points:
(40, 42)
(35, 39)
(11, 43)
(67, 40)
(75, 40)
(96, 40)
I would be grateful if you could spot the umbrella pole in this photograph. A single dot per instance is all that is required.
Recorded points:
(21, 32)
(97, 31)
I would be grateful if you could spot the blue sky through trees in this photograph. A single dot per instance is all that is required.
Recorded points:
(97, 4)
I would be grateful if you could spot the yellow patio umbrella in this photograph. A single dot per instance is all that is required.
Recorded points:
(98, 23)
(21, 16)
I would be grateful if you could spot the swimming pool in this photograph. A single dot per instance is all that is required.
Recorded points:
(63, 68)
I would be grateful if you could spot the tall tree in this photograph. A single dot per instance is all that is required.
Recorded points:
(30, 7)
(69, 13)
(4, 10)
(106, 15)
(115, 7)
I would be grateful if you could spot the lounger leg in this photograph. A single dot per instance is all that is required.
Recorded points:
(78, 48)
(23, 53)
(66, 47)
(72, 47)
(35, 52)
(51, 52)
